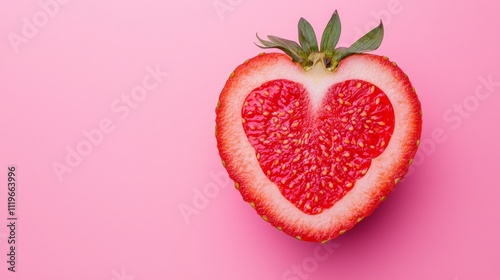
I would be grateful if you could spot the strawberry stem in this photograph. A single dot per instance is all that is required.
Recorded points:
(307, 53)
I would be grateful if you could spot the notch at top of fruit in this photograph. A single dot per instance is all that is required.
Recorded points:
(316, 138)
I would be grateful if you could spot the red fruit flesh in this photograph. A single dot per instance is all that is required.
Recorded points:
(328, 136)
(316, 155)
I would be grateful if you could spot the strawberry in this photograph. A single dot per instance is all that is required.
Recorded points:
(316, 138)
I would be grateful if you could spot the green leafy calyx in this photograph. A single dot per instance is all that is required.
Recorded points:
(307, 52)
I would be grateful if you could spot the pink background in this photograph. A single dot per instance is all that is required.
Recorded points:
(117, 215)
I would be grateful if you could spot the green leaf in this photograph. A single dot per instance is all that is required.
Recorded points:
(370, 41)
(331, 35)
(307, 37)
(289, 47)
(292, 46)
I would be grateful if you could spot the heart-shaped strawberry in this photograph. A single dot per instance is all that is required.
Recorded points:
(316, 142)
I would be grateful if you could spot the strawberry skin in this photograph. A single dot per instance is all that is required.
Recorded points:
(363, 195)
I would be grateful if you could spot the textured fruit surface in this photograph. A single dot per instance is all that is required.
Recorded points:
(315, 152)
(316, 155)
